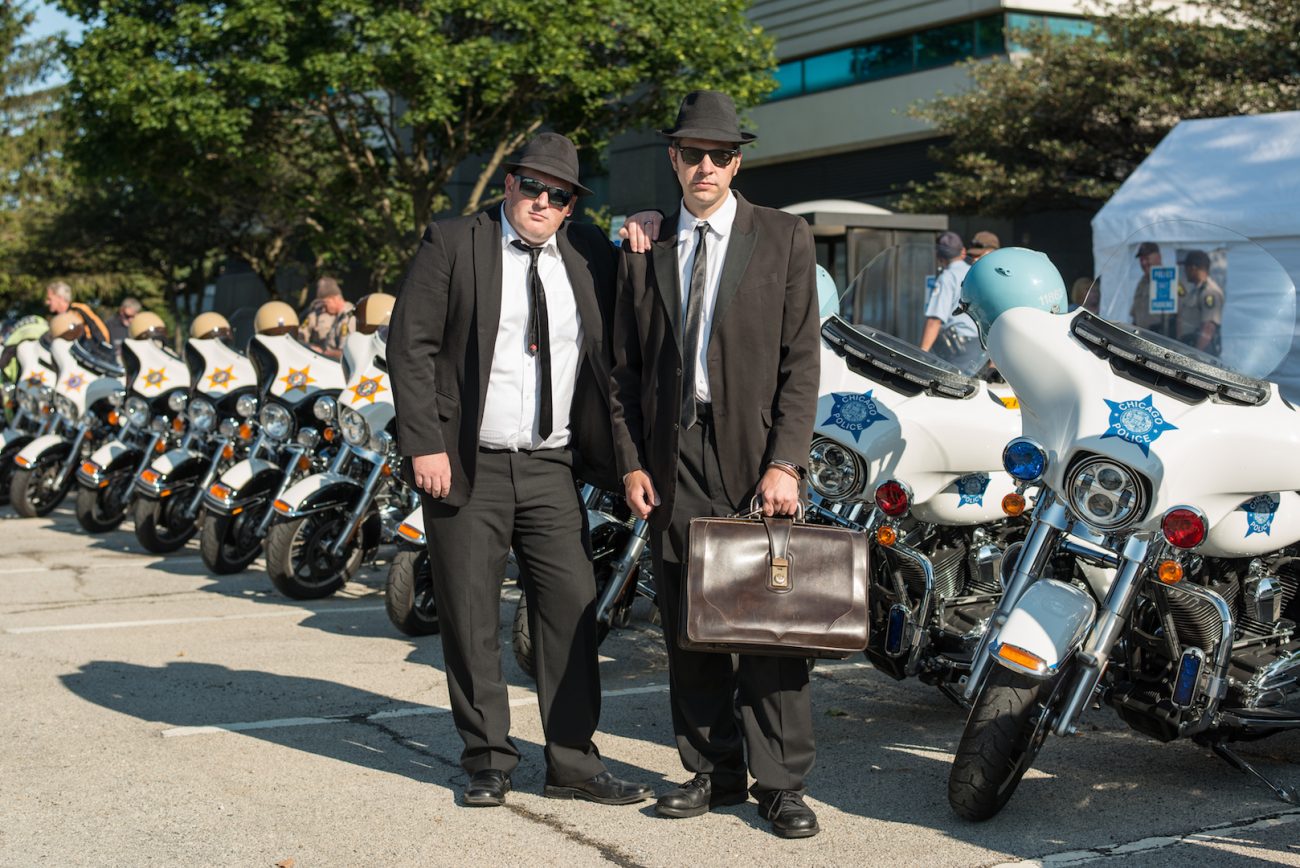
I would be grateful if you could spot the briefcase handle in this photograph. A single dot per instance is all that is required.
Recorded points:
(756, 511)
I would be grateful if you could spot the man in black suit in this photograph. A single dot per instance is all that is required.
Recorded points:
(715, 390)
(497, 351)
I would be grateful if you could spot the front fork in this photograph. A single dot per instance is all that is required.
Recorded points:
(73, 455)
(375, 476)
(291, 455)
(209, 477)
(623, 571)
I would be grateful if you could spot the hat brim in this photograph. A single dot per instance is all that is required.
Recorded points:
(552, 168)
(709, 134)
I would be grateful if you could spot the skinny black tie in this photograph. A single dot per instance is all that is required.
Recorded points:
(694, 313)
(539, 337)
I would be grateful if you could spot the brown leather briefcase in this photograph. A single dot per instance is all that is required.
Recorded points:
(774, 586)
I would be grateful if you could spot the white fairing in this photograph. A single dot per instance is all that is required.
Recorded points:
(35, 366)
(369, 390)
(160, 369)
(300, 372)
(224, 369)
(1217, 457)
(1049, 621)
(79, 385)
(948, 451)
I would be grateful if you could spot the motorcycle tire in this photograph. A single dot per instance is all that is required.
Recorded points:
(521, 639)
(408, 597)
(30, 493)
(1003, 734)
(228, 543)
(160, 526)
(297, 562)
(99, 510)
(7, 469)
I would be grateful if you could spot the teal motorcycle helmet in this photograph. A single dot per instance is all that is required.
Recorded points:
(828, 294)
(1007, 278)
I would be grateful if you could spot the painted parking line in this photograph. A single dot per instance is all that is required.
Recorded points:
(410, 711)
(162, 622)
(108, 564)
(24, 570)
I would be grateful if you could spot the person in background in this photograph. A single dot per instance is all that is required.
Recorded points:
(1200, 304)
(119, 325)
(328, 319)
(58, 299)
(947, 333)
(981, 243)
(1148, 257)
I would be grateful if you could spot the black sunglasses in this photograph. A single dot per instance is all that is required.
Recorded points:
(532, 188)
(721, 157)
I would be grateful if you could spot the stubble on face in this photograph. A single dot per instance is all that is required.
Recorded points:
(536, 220)
(704, 185)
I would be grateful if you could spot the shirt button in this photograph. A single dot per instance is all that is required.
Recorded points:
(679, 372)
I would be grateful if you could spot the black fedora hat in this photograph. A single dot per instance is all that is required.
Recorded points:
(553, 154)
(711, 115)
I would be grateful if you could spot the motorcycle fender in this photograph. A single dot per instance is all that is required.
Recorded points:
(13, 439)
(114, 454)
(178, 464)
(30, 453)
(318, 492)
(245, 480)
(1044, 629)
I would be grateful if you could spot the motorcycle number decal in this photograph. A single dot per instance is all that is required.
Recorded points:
(156, 378)
(297, 379)
(1259, 513)
(853, 413)
(368, 388)
(74, 382)
(1137, 422)
(971, 489)
(221, 376)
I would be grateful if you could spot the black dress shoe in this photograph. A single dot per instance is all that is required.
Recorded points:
(697, 796)
(789, 816)
(487, 789)
(604, 788)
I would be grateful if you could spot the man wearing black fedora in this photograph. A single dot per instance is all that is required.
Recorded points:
(498, 356)
(714, 395)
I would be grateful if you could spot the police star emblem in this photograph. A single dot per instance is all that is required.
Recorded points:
(298, 379)
(971, 489)
(74, 382)
(36, 378)
(153, 379)
(368, 388)
(853, 413)
(1137, 422)
(221, 376)
(1260, 512)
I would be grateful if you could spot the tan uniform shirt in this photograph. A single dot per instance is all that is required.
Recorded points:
(324, 329)
(1198, 305)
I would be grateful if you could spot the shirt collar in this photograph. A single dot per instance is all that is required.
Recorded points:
(508, 234)
(719, 221)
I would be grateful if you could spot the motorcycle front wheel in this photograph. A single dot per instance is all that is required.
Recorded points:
(161, 526)
(100, 510)
(34, 491)
(298, 559)
(521, 637)
(408, 597)
(229, 543)
(7, 468)
(1007, 725)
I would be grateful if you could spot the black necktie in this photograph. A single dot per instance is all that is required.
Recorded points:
(539, 337)
(694, 313)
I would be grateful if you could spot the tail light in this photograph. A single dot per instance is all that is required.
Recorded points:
(1184, 527)
(893, 498)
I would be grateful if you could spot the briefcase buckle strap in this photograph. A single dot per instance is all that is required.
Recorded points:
(779, 529)
(778, 579)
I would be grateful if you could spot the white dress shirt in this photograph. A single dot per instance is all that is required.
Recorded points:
(514, 386)
(717, 239)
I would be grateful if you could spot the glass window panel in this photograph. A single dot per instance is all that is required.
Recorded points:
(789, 80)
(941, 46)
(835, 69)
(883, 59)
(1069, 26)
(990, 36)
(1020, 21)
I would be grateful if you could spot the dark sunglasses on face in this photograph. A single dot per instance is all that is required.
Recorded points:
(532, 188)
(721, 157)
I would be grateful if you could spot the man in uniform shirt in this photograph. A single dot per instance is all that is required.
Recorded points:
(1200, 304)
(326, 323)
(1148, 257)
(947, 333)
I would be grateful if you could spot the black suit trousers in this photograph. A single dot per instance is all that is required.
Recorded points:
(709, 691)
(526, 500)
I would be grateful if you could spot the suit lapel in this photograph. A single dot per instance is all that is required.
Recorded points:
(584, 289)
(744, 236)
(487, 292)
(668, 275)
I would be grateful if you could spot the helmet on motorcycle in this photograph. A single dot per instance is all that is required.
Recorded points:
(275, 318)
(147, 325)
(209, 325)
(68, 325)
(1007, 278)
(828, 294)
(373, 311)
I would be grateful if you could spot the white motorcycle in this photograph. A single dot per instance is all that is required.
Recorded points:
(1160, 571)
(33, 390)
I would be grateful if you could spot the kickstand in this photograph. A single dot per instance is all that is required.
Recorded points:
(1286, 794)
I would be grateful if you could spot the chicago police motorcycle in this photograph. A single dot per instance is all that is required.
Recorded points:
(1160, 571)
(295, 390)
(329, 522)
(156, 383)
(31, 393)
(907, 447)
(88, 385)
(169, 492)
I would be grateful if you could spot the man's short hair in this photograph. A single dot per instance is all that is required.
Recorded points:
(130, 305)
(327, 286)
(1197, 259)
(61, 289)
(1148, 247)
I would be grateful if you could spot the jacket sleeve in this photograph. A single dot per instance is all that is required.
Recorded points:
(794, 407)
(626, 374)
(414, 341)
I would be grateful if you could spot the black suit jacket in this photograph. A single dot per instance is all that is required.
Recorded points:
(763, 354)
(443, 332)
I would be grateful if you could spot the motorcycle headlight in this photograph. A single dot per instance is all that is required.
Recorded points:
(1024, 459)
(29, 402)
(176, 401)
(356, 431)
(246, 405)
(323, 409)
(1105, 494)
(65, 406)
(227, 428)
(308, 437)
(137, 411)
(202, 414)
(834, 471)
(380, 442)
(115, 399)
(276, 421)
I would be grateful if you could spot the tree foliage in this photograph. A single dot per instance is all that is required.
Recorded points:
(1062, 123)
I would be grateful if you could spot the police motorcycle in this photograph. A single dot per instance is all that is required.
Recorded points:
(27, 396)
(149, 419)
(1160, 572)
(87, 388)
(328, 523)
(907, 447)
(291, 415)
(408, 592)
(169, 492)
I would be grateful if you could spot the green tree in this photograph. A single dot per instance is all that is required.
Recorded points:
(1062, 123)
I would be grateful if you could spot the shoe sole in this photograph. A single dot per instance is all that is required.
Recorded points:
(684, 813)
(482, 802)
(552, 792)
(797, 833)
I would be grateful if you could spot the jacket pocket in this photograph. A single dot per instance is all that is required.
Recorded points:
(448, 405)
(766, 415)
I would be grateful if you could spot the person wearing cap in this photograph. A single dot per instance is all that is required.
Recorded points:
(948, 333)
(716, 362)
(1148, 257)
(981, 244)
(1200, 304)
(497, 350)
(327, 321)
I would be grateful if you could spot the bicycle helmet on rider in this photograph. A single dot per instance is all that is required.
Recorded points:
(1007, 278)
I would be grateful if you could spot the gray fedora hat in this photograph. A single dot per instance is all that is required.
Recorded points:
(553, 154)
(711, 115)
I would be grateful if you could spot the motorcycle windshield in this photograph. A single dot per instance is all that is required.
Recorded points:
(1200, 303)
(902, 304)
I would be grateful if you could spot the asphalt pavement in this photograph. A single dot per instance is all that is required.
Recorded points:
(153, 714)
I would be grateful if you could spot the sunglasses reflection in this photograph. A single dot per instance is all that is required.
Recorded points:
(532, 188)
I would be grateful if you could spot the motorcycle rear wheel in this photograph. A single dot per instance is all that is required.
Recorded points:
(408, 597)
(160, 525)
(229, 543)
(297, 560)
(1007, 725)
(100, 510)
(31, 491)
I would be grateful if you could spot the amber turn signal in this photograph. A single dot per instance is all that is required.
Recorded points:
(227, 452)
(886, 535)
(1170, 572)
(245, 431)
(1013, 504)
